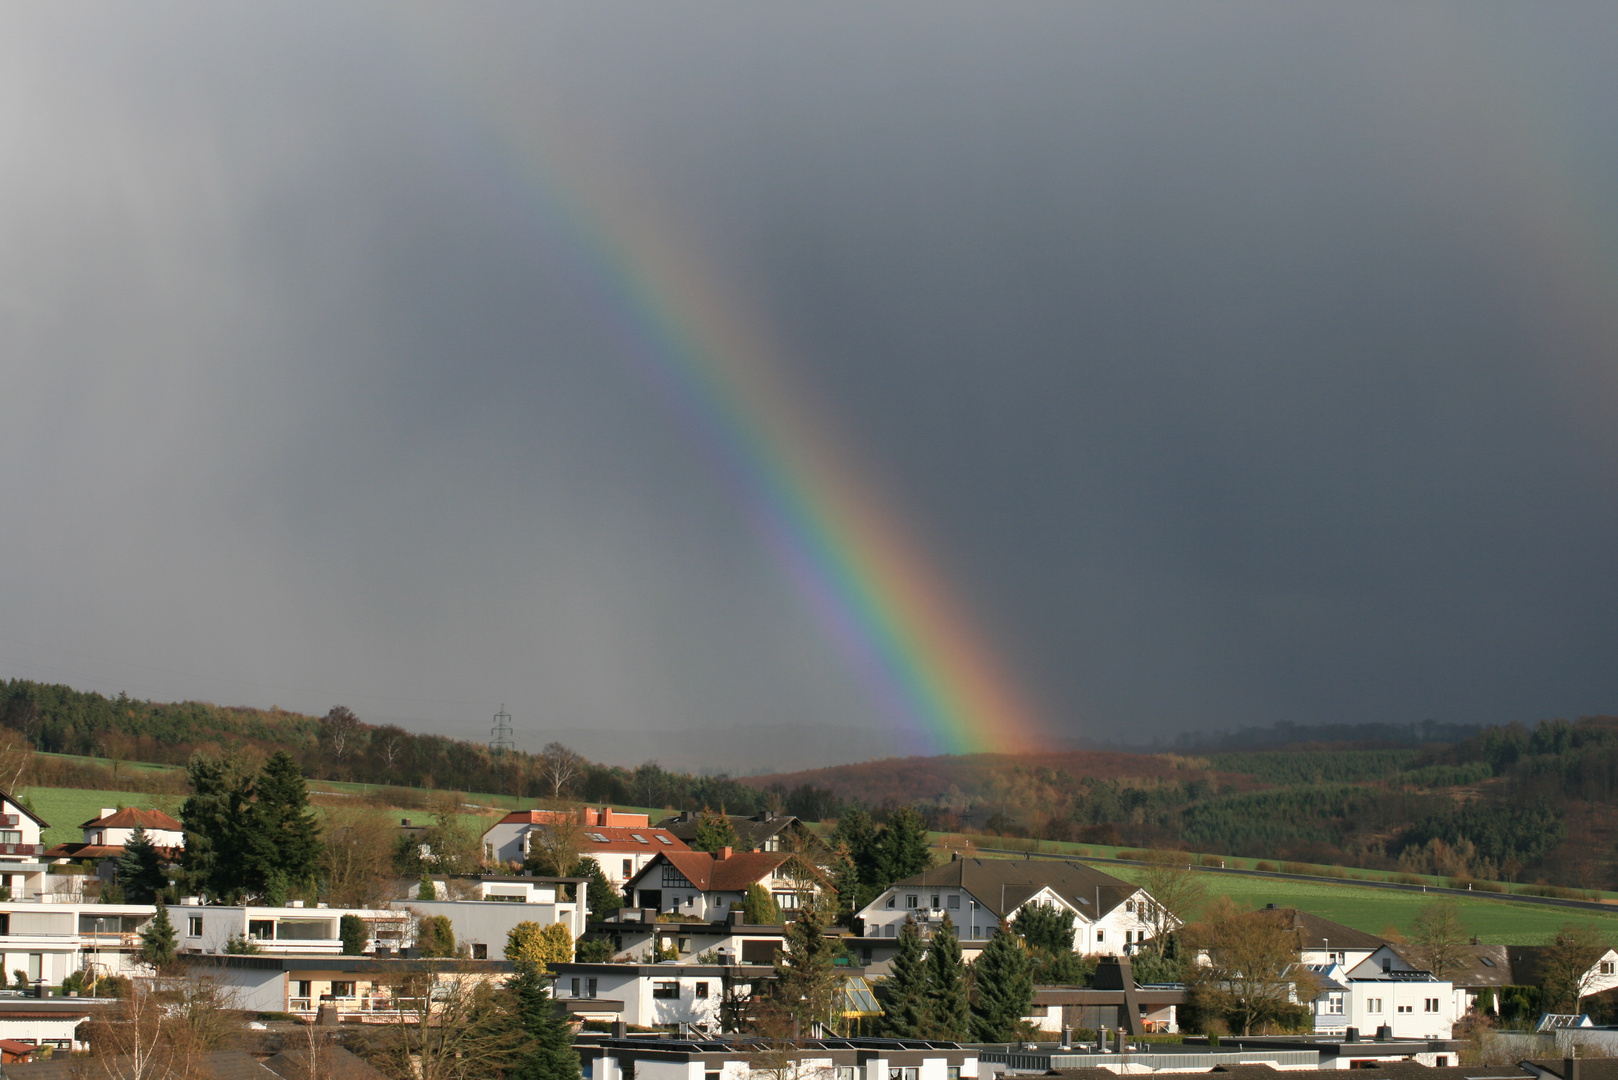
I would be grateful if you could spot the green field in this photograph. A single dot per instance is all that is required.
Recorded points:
(67, 808)
(1496, 922)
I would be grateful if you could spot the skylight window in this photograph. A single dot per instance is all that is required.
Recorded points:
(664, 839)
(640, 838)
(597, 837)
(1486, 961)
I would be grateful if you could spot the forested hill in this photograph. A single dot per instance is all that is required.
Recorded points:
(1517, 802)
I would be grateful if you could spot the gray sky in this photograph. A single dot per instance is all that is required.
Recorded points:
(1232, 363)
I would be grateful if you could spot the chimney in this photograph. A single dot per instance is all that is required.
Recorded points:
(723, 853)
(108, 811)
(1570, 1068)
(404, 822)
(1351, 1034)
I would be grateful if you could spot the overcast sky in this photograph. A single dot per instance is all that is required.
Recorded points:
(1232, 363)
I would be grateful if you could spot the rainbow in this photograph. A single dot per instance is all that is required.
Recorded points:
(930, 673)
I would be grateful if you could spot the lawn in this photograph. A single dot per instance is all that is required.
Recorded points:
(67, 808)
(1496, 922)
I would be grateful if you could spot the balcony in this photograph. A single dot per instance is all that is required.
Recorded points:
(10, 821)
(21, 850)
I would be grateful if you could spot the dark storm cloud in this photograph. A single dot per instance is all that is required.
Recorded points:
(1193, 342)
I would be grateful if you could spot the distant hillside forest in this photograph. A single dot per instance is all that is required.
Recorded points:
(341, 746)
(1525, 803)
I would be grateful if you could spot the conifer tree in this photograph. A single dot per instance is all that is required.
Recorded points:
(806, 982)
(426, 890)
(904, 992)
(218, 824)
(948, 1013)
(760, 907)
(1004, 989)
(140, 869)
(714, 831)
(600, 896)
(548, 1052)
(902, 849)
(157, 941)
(291, 835)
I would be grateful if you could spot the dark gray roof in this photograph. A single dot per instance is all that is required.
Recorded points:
(752, 832)
(1481, 965)
(1001, 885)
(1317, 933)
(220, 1065)
(331, 1062)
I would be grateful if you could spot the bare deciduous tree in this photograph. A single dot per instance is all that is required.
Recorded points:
(559, 767)
(553, 849)
(1569, 964)
(451, 1026)
(1252, 973)
(1437, 938)
(358, 856)
(1176, 890)
(341, 731)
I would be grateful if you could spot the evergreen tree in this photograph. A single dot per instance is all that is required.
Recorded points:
(948, 1014)
(426, 890)
(903, 993)
(601, 897)
(157, 941)
(857, 832)
(1004, 989)
(140, 869)
(548, 1051)
(805, 980)
(435, 936)
(845, 880)
(714, 831)
(1045, 926)
(355, 934)
(760, 908)
(902, 849)
(291, 835)
(218, 824)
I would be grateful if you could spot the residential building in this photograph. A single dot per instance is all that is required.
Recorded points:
(621, 844)
(1110, 916)
(50, 941)
(763, 831)
(614, 1057)
(355, 988)
(295, 928)
(1323, 942)
(654, 995)
(1528, 968)
(1390, 1000)
(50, 1022)
(636, 934)
(106, 835)
(703, 886)
(22, 875)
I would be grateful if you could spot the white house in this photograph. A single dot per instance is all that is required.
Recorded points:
(611, 1057)
(1109, 915)
(21, 872)
(1411, 1004)
(50, 941)
(106, 835)
(703, 886)
(650, 995)
(621, 844)
(294, 928)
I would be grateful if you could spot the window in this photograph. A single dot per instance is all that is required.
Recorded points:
(261, 929)
(936, 904)
(955, 902)
(865, 954)
(673, 879)
(573, 987)
(10, 836)
(903, 1074)
(480, 951)
(786, 901)
(701, 989)
(1129, 906)
(639, 838)
(1486, 961)
(629, 867)
(1406, 1008)
(887, 931)
(664, 839)
(1101, 935)
(598, 838)
(847, 1072)
(710, 1076)
(303, 988)
(589, 988)
(954, 1072)
(911, 902)
(1606, 967)
(893, 901)
(1373, 1005)
(1129, 935)
(669, 989)
(1429, 1005)
(194, 926)
(36, 966)
(342, 989)
(1334, 1005)
(305, 930)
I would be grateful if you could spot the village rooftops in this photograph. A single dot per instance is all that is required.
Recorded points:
(132, 817)
(729, 871)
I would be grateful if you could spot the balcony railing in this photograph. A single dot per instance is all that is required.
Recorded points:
(10, 821)
(22, 849)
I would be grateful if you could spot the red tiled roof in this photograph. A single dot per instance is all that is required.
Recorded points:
(131, 816)
(620, 839)
(98, 851)
(733, 874)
